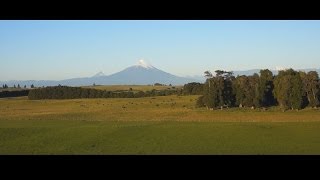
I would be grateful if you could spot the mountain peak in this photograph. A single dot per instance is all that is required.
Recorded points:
(280, 68)
(99, 74)
(142, 63)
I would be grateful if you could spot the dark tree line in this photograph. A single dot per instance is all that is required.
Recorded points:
(289, 89)
(5, 86)
(4, 94)
(65, 92)
(158, 84)
(218, 90)
(193, 88)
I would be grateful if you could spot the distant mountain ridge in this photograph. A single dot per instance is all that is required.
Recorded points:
(140, 74)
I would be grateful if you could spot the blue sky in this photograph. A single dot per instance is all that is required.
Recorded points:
(55, 50)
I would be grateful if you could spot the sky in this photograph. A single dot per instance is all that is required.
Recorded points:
(56, 50)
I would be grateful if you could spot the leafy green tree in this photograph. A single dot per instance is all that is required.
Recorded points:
(92, 93)
(265, 88)
(238, 92)
(281, 89)
(228, 95)
(209, 98)
(129, 95)
(288, 89)
(208, 75)
(139, 94)
(199, 102)
(218, 89)
(310, 82)
(219, 72)
(193, 88)
(296, 92)
(246, 91)
(85, 93)
(32, 95)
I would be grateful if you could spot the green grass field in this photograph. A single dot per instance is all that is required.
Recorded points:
(152, 125)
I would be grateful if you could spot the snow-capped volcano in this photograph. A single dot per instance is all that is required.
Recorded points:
(142, 63)
(142, 73)
(99, 74)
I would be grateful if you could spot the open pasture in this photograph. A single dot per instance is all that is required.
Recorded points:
(152, 125)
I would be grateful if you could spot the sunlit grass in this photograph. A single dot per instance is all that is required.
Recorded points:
(152, 125)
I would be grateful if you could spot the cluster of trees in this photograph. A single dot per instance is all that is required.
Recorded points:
(158, 84)
(289, 89)
(217, 90)
(296, 90)
(5, 86)
(65, 92)
(4, 94)
(193, 88)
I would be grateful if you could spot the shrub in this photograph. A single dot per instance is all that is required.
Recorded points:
(199, 102)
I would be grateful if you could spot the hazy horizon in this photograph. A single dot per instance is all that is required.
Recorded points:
(56, 50)
(190, 76)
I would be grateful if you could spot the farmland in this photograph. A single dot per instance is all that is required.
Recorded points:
(152, 125)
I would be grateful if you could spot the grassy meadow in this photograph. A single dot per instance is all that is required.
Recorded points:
(152, 125)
